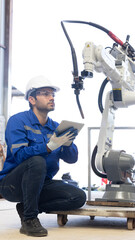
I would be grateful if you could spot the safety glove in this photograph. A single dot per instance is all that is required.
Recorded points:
(59, 139)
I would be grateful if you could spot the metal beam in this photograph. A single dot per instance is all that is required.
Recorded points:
(5, 64)
(2, 52)
(7, 58)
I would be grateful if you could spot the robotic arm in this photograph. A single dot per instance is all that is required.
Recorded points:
(119, 68)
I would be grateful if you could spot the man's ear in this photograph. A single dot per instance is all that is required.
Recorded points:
(32, 100)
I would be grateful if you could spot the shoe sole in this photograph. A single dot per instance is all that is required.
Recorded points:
(33, 234)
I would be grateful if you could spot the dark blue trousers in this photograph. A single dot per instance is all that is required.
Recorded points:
(28, 184)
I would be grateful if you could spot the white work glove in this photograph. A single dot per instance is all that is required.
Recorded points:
(57, 141)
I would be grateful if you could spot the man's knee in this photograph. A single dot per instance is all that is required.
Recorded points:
(79, 198)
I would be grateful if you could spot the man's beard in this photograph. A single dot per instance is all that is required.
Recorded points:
(45, 110)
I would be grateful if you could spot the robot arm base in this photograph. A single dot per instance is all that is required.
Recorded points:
(118, 166)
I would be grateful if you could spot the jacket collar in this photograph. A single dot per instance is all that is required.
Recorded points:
(34, 120)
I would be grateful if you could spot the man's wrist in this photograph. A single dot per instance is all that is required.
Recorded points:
(48, 149)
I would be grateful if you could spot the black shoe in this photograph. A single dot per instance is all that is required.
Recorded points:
(32, 227)
(19, 208)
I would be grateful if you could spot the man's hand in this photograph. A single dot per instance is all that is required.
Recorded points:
(1, 151)
(57, 140)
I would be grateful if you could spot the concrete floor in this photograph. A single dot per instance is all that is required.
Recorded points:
(77, 227)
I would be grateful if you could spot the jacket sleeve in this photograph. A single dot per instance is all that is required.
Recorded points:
(18, 144)
(69, 154)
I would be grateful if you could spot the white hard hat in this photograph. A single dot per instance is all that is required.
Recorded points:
(38, 82)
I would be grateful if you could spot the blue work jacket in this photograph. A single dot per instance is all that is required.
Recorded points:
(26, 137)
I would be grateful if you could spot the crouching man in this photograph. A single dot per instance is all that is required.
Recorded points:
(33, 153)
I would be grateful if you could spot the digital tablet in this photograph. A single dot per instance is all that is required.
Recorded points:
(64, 125)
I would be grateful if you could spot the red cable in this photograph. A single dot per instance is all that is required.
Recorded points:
(116, 39)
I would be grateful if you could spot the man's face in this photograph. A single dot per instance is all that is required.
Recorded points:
(44, 101)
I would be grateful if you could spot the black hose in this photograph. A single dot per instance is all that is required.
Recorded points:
(93, 164)
(88, 23)
(110, 34)
(100, 95)
(79, 106)
(74, 58)
(75, 68)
